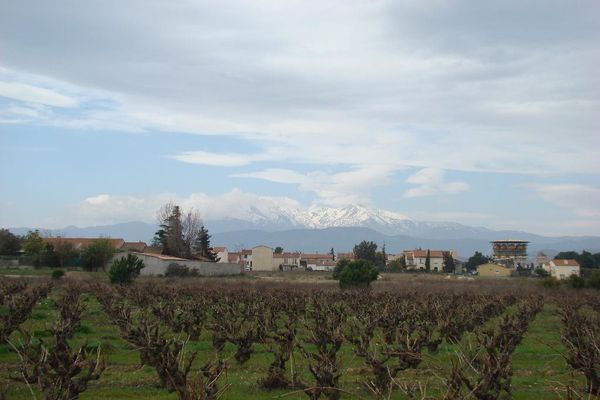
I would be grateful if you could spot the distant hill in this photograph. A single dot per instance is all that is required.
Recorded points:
(344, 239)
(321, 228)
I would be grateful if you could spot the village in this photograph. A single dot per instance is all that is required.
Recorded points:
(508, 258)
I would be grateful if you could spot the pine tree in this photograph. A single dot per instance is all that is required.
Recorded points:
(170, 234)
(203, 248)
(428, 261)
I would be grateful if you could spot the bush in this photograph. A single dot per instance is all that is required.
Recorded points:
(550, 282)
(181, 271)
(57, 274)
(594, 280)
(339, 267)
(359, 273)
(124, 270)
(576, 282)
(541, 272)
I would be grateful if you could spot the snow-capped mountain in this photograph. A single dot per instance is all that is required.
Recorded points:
(272, 217)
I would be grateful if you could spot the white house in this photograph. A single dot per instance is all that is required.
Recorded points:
(563, 269)
(415, 259)
(222, 254)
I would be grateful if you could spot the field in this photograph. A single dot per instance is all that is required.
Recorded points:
(408, 337)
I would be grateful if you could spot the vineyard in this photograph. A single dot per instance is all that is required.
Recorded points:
(211, 339)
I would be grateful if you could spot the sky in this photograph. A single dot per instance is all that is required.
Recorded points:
(485, 113)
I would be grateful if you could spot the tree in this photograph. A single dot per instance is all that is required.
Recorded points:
(190, 226)
(332, 252)
(428, 261)
(278, 250)
(395, 265)
(178, 231)
(366, 251)
(476, 260)
(97, 254)
(341, 264)
(64, 252)
(203, 248)
(358, 273)
(449, 264)
(124, 270)
(10, 244)
(33, 243)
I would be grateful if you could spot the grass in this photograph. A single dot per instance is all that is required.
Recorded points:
(539, 369)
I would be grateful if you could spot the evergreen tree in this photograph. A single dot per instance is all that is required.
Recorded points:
(428, 261)
(332, 252)
(449, 264)
(170, 234)
(203, 248)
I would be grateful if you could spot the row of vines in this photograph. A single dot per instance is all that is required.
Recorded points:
(303, 329)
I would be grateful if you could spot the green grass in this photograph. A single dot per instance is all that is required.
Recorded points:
(540, 372)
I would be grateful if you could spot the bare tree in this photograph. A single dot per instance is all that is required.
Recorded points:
(191, 226)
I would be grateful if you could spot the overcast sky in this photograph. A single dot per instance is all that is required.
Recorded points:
(480, 112)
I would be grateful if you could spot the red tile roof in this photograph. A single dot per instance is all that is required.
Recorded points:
(568, 263)
(423, 253)
(137, 246)
(219, 249)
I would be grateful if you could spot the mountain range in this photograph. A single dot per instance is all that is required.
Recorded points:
(321, 228)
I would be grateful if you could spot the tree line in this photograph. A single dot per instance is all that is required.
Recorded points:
(58, 254)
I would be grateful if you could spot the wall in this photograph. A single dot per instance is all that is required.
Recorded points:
(262, 259)
(492, 270)
(158, 265)
(563, 271)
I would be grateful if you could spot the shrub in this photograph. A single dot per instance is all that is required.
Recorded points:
(124, 270)
(57, 274)
(181, 271)
(576, 282)
(339, 267)
(359, 273)
(550, 282)
(541, 272)
(594, 280)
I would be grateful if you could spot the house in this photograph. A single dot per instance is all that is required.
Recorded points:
(134, 246)
(416, 259)
(80, 243)
(287, 261)
(222, 254)
(345, 256)
(316, 261)
(246, 258)
(493, 270)
(563, 269)
(541, 259)
(233, 257)
(262, 259)
(322, 266)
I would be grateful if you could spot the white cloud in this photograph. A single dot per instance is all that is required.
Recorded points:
(431, 182)
(581, 200)
(108, 208)
(338, 189)
(412, 84)
(33, 94)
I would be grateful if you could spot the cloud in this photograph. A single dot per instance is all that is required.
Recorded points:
(110, 208)
(581, 200)
(425, 84)
(33, 94)
(215, 159)
(431, 182)
(338, 189)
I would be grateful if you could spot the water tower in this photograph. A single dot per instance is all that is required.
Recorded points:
(510, 252)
